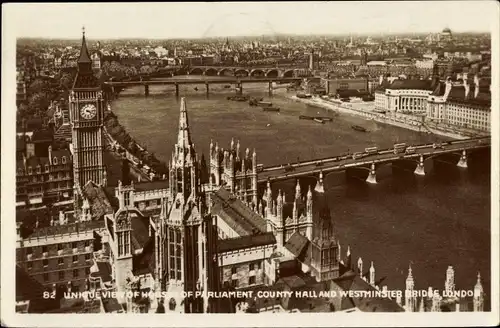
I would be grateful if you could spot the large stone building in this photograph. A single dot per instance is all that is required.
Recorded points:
(465, 106)
(41, 179)
(404, 96)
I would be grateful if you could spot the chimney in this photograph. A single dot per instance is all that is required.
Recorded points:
(476, 84)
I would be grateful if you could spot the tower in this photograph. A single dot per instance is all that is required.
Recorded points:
(123, 263)
(409, 298)
(86, 116)
(478, 301)
(189, 233)
(449, 284)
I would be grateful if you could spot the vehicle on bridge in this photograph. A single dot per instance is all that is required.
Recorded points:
(358, 155)
(410, 150)
(399, 148)
(319, 163)
(289, 168)
(371, 150)
(260, 167)
(437, 146)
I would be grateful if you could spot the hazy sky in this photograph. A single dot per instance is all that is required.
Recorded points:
(193, 20)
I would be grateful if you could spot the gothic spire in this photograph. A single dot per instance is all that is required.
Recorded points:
(184, 138)
(84, 57)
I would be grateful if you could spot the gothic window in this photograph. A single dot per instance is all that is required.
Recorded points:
(126, 243)
(46, 168)
(120, 243)
(126, 198)
(54, 160)
(30, 171)
(63, 160)
(38, 169)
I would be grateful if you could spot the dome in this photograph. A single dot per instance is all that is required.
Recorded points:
(447, 30)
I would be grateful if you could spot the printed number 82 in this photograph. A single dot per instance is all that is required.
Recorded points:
(47, 295)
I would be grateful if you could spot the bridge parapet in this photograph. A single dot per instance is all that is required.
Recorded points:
(418, 154)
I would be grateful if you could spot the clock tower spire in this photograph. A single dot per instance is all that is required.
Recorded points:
(86, 116)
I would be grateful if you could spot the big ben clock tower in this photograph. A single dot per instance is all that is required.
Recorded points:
(86, 114)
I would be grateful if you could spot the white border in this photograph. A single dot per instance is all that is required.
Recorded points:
(10, 318)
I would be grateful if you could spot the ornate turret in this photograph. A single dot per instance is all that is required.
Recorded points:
(372, 275)
(478, 301)
(410, 300)
(449, 285)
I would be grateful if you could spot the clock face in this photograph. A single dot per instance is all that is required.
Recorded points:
(88, 111)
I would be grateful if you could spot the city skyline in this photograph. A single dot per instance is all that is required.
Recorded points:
(152, 20)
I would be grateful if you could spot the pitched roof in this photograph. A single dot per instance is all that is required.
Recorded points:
(236, 214)
(98, 200)
(298, 245)
(411, 84)
(145, 262)
(352, 281)
(249, 241)
(151, 185)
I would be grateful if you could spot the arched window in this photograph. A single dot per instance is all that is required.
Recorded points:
(38, 169)
(30, 171)
(54, 160)
(63, 160)
(172, 304)
(46, 167)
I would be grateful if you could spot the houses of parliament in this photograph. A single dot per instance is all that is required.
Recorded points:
(177, 236)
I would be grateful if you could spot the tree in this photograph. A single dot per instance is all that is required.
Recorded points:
(37, 86)
(39, 102)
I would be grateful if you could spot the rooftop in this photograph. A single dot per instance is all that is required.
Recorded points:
(236, 214)
(249, 241)
(98, 200)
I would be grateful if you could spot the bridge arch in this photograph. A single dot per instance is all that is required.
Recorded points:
(226, 72)
(196, 71)
(241, 73)
(257, 72)
(211, 72)
(288, 73)
(273, 73)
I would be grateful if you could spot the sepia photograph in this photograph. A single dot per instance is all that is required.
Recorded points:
(250, 158)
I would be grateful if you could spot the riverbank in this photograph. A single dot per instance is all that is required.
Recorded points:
(413, 125)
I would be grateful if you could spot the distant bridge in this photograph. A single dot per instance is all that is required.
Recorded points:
(370, 162)
(248, 71)
(205, 80)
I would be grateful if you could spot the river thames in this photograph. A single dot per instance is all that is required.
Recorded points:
(431, 221)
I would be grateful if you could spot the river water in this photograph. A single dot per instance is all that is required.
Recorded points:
(434, 221)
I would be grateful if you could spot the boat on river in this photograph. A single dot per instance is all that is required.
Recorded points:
(358, 128)
(271, 109)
